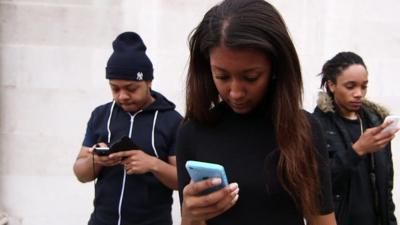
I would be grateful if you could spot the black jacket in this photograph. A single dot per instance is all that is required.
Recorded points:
(343, 160)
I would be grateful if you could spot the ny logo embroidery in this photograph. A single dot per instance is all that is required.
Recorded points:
(139, 76)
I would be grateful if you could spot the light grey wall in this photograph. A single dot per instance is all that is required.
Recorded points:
(52, 59)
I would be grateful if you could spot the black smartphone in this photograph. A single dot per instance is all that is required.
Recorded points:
(123, 144)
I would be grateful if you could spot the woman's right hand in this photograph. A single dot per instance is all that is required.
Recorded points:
(197, 209)
(373, 139)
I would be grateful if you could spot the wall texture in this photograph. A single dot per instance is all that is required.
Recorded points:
(52, 60)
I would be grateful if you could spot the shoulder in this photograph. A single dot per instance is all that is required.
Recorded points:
(186, 139)
(172, 115)
(308, 115)
(170, 119)
(375, 110)
(319, 114)
(101, 110)
(187, 127)
(325, 119)
(312, 119)
(315, 126)
(318, 139)
(103, 107)
(190, 129)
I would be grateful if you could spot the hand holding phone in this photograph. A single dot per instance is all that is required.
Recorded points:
(394, 125)
(102, 151)
(202, 171)
(124, 144)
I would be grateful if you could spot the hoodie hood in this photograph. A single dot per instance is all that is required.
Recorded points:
(161, 103)
(325, 104)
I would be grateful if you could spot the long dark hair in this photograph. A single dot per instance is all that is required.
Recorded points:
(258, 25)
(335, 66)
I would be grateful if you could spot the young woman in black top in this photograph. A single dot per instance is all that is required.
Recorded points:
(244, 98)
(359, 153)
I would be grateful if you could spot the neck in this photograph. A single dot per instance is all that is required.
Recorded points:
(149, 102)
(351, 115)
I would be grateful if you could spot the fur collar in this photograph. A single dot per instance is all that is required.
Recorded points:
(325, 104)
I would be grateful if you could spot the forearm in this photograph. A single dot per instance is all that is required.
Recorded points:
(166, 173)
(344, 160)
(328, 219)
(83, 169)
(188, 222)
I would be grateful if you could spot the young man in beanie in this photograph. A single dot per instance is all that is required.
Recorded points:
(134, 186)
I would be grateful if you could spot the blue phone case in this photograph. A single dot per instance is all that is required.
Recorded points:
(201, 171)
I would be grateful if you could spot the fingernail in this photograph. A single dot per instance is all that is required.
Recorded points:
(216, 181)
(233, 186)
(235, 192)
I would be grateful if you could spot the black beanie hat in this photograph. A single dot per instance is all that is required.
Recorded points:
(129, 60)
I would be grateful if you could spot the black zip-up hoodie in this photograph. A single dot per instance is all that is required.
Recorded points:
(123, 199)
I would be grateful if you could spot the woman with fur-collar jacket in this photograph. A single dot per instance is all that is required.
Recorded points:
(360, 154)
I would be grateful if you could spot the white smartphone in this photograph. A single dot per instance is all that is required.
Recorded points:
(202, 171)
(394, 125)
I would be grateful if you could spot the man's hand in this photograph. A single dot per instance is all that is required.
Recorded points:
(136, 161)
(103, 160)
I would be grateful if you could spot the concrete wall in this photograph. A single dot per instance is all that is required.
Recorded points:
(52, 59)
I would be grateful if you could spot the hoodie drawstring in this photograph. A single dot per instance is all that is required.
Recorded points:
(152, 134)
(132, 120)
(109, 122)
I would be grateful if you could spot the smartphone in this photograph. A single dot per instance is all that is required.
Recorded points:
(202, 171)
(123, 144)
(102, 151)
(394, 125)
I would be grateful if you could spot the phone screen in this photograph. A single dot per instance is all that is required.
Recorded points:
(394, 125)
